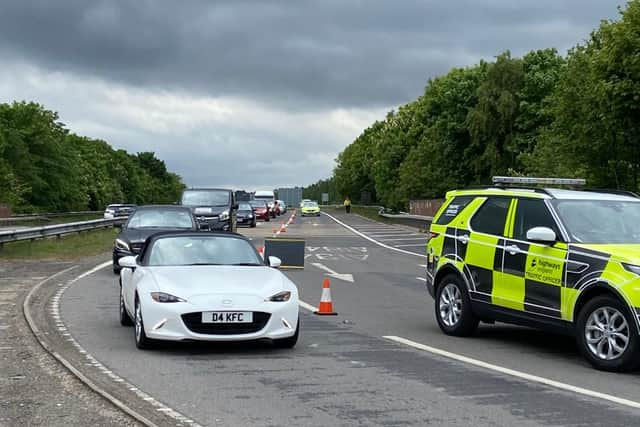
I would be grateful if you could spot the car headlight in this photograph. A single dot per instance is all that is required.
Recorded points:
(121, 244)
(635, 269)
(163, 297)
(250, 216)
(224, 216)
(280, 296)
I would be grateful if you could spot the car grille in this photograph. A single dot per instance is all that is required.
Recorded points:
(193, 321)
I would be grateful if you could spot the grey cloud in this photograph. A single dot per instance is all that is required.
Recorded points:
(298, 54)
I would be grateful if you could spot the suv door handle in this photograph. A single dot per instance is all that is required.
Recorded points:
(513, 249)
(464, 238)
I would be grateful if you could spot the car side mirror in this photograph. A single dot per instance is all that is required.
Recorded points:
(275, 262)
(235, 206)
(541, 234)
(128, 262)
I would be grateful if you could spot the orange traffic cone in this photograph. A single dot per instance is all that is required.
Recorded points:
(326, 307)
(283, 229)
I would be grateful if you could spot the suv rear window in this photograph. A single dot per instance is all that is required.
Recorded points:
(453, 209)
(491, 216)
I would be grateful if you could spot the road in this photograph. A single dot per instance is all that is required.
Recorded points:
(345, 369)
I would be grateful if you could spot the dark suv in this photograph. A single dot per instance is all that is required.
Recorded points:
(214, 208)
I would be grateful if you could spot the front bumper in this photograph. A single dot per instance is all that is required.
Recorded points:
(245, 220)
(214, 223)
(165, 321)
(314, 212)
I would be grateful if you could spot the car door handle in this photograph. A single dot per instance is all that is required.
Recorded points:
(464, 238)
(513, 249)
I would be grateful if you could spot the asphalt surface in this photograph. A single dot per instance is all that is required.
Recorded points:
(35, 390)
(343, 372)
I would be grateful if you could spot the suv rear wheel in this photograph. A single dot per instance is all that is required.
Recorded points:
(607, 335)
(453, 307)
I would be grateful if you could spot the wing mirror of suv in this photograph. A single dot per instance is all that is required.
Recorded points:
(541, 234)
(275, 262)
(235, 206)
(128, 262)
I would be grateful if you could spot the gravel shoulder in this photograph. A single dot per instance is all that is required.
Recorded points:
(34, 388)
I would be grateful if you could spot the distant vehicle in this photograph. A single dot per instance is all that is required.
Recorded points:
(310, 208)
(261, 209)
(246, 215)
(214, 208)
(269, 197)
(144, 222)
(282, 206)
(206, 287)
(304, 201)
(118, 210)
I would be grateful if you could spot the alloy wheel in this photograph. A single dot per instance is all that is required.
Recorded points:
(607, 333)
(450, 305)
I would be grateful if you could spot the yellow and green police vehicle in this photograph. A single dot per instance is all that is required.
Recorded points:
(558, 259)
(310, 208)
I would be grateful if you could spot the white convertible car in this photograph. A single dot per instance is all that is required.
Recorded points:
(207, 287)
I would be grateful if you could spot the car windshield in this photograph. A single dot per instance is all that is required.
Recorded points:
(202, 250)
(205, 198)
(600, 221)
(310, 205)
(258, 204)
(244, 207)
(161, 218)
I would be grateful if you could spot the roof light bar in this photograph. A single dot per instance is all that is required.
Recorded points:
(535, 181)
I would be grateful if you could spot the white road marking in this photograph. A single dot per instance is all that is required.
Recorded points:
(421, 279)
(514, 373)
(331, 273)
(399, 234)
(423, 244)
(306, 306)
(422, 265)
(364, 236)
(405, 238)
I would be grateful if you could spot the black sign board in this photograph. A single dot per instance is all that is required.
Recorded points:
(290, 251)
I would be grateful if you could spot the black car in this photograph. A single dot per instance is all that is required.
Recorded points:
(214, 208)
(246, 215)
(148, 220)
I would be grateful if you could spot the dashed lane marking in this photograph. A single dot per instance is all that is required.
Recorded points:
(422, 279)
(514, 373)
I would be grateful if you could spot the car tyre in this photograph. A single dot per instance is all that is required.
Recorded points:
(125, 319)
(602, 321)
(142, 341)
(453, 307)
(288, 342)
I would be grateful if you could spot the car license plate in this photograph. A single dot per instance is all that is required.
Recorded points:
(227, 317)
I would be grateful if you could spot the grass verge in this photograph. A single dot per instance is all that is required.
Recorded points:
(72, 246)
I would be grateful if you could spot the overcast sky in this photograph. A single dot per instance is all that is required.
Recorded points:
(255, 93)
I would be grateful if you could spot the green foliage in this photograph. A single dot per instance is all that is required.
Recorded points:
(541, 114)
(44, 167)
(314, 191)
